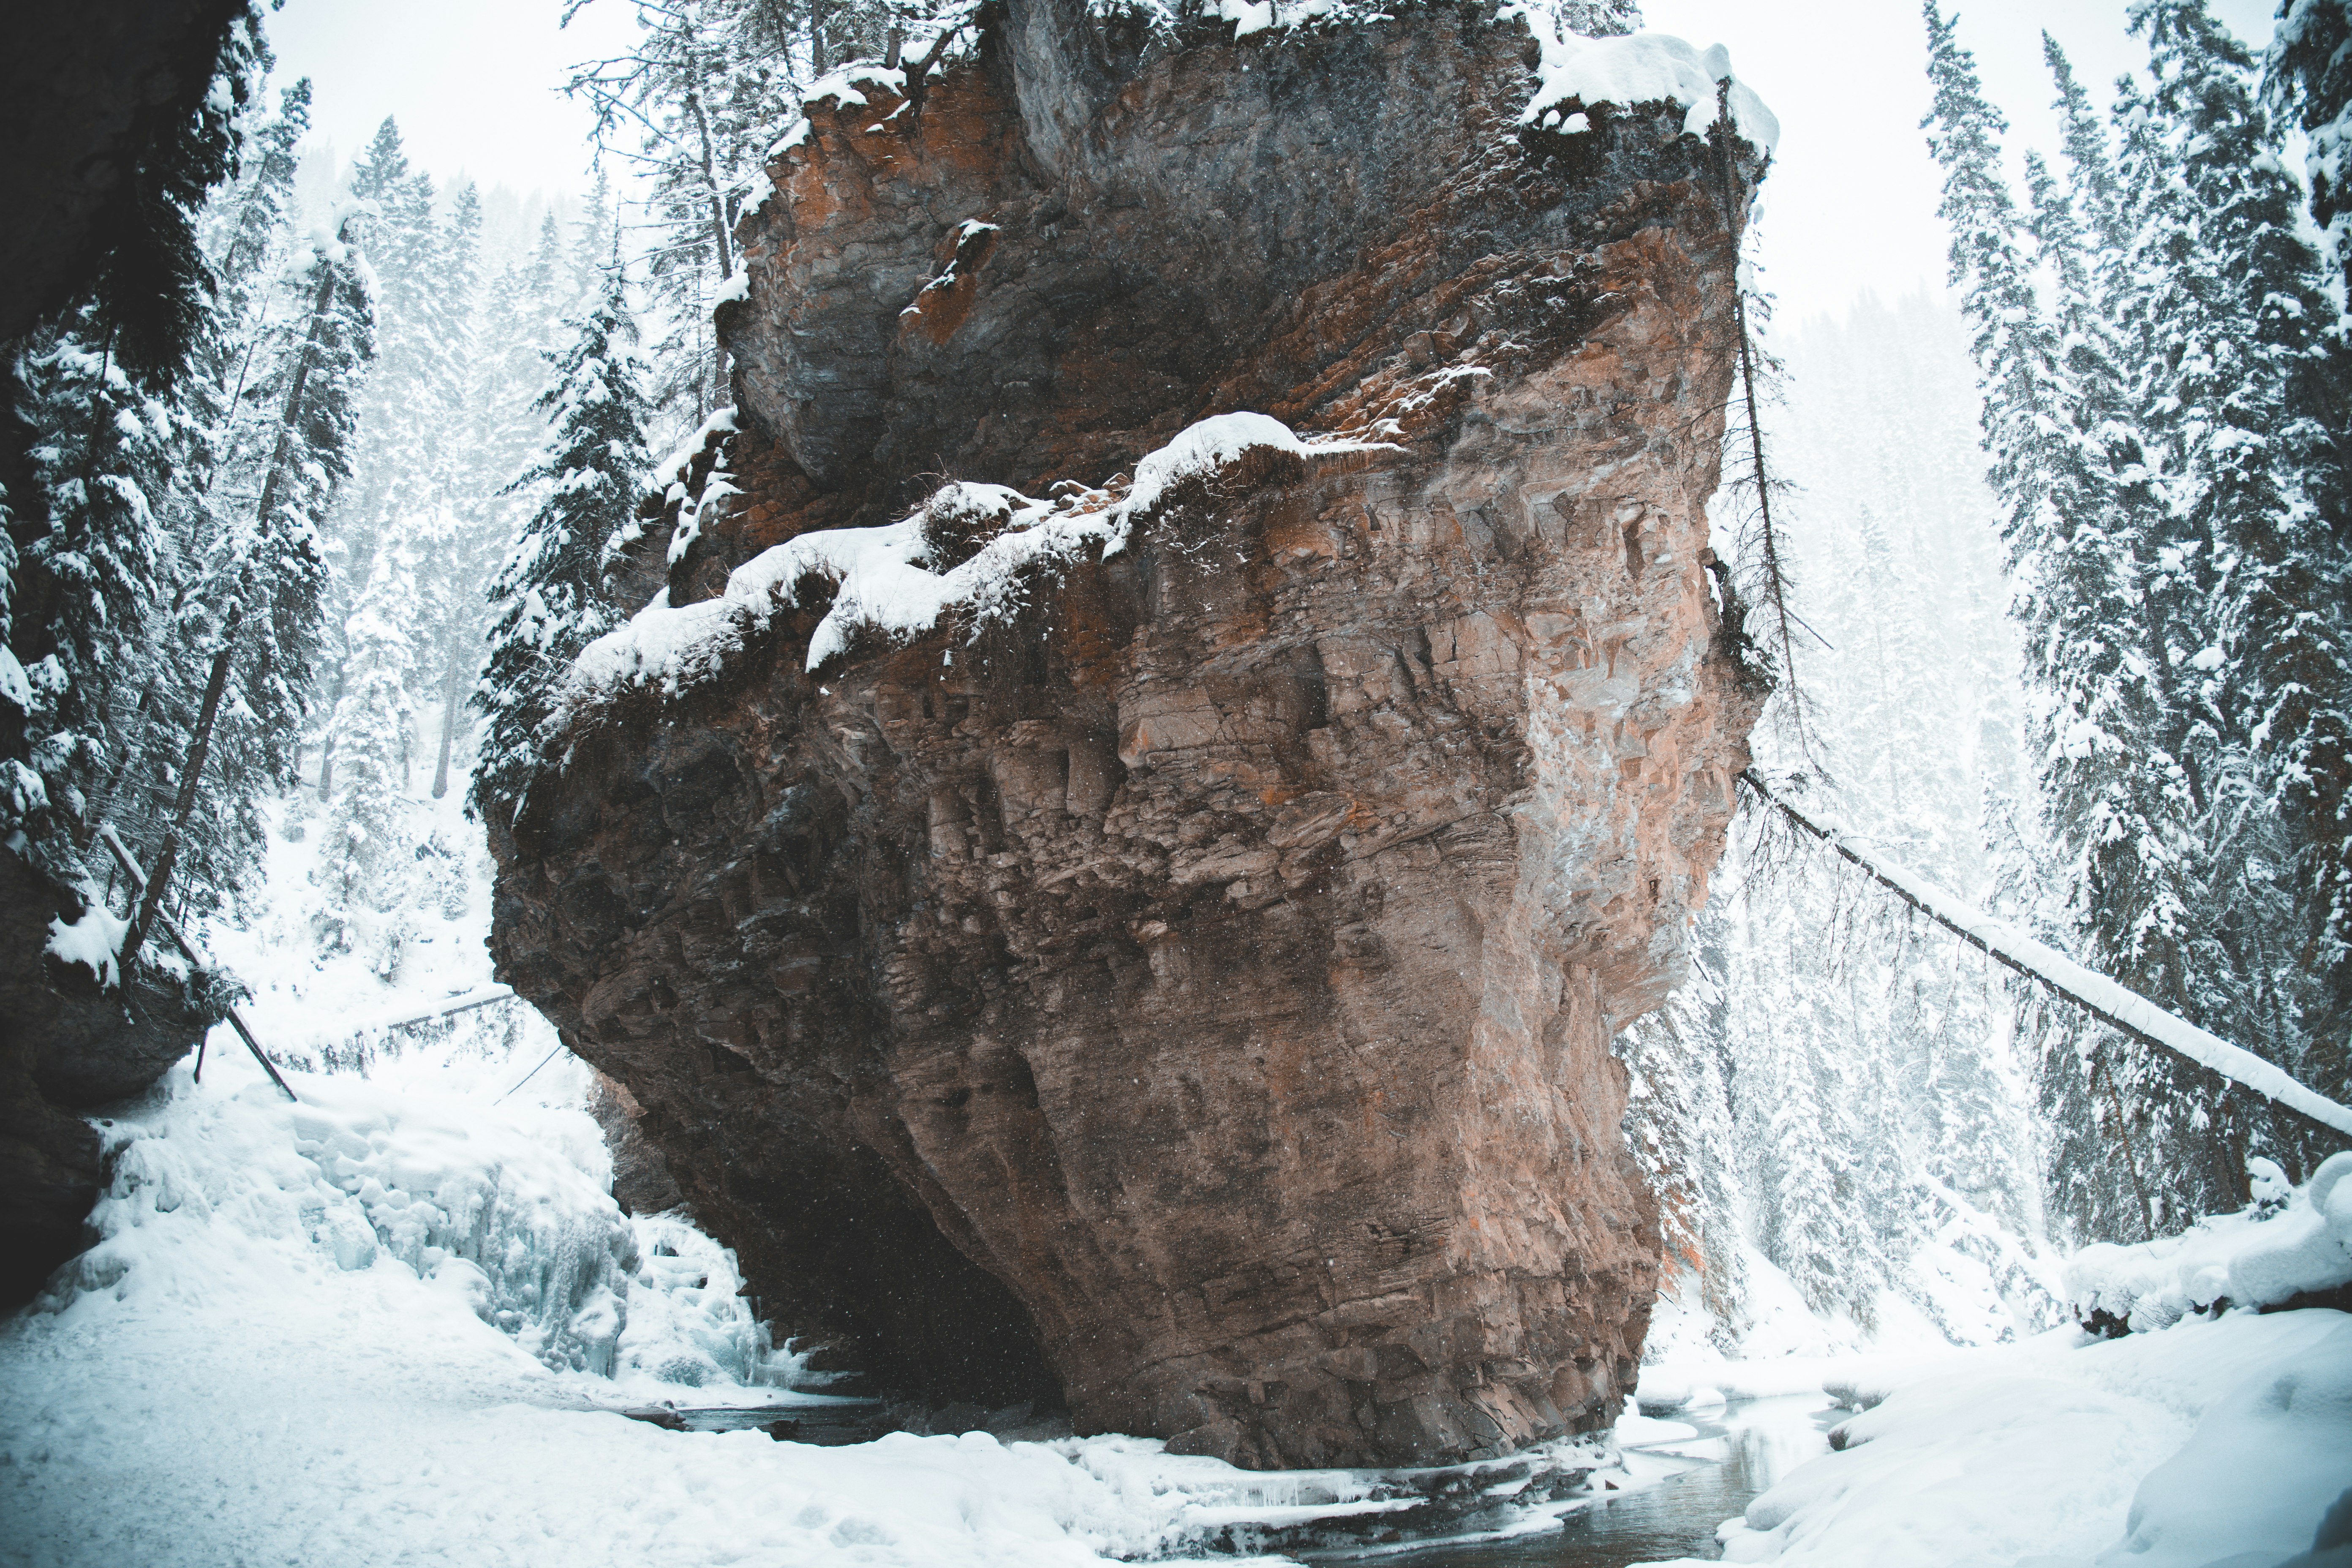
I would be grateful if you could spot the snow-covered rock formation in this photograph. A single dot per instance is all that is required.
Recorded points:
(1146, 923)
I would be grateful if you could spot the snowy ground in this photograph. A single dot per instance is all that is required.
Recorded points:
(396, 1323)
(373, 1328)
(369, 1329)
(2207, 1443)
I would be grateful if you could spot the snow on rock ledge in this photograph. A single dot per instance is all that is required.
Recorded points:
(900, 579)
(1645, 67)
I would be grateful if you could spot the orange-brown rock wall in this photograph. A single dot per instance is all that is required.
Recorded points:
(1195, 985)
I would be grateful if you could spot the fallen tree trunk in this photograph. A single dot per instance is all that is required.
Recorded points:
(188, 951)
(2116, 1005)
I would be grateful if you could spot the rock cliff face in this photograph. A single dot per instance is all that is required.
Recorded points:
(66, 1047)
(1183, 975)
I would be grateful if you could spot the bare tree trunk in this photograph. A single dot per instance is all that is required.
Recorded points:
(711, 192)
(182, 808)
(450, 682)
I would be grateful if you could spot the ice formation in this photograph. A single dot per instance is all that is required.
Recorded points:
(506, 1208)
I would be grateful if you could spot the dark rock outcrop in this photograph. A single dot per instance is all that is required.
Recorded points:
(89, 95)
(94, 100)
(67, 1046)
(1191, 985)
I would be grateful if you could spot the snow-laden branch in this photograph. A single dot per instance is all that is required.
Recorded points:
(2116, 1005)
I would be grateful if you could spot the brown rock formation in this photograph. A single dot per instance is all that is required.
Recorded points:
(95, 102)
(1221, 950)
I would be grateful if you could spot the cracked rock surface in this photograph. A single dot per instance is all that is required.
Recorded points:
(1189, 990)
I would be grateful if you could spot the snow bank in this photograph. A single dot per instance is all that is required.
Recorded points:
(2259, 1471)
(95, 940)
(2284, 1244)
(2163, 1450)
(896, 581)
(1642, 68)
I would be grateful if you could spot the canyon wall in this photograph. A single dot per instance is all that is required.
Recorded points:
(1159, 942)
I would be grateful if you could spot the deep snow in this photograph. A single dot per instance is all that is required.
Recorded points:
(2175, 1449)
(369, 1328)
(394, 1322)
(267, 1360)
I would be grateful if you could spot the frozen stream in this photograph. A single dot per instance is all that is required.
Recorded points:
(1738, 1451)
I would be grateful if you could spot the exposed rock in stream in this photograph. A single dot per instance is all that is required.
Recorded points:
(1184, 982)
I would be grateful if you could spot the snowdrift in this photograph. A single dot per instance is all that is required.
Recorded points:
(2288, 1242)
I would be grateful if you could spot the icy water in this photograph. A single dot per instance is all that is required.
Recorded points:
(1739, 1451)
(826, 1421)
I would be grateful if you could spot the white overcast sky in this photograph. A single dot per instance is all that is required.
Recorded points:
(1851, 204)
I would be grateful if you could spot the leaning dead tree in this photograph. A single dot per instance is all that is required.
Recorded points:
(2116, 1005)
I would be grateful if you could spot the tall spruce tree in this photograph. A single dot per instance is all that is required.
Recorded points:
(2119, 788)
(2309, 78)
(547, 598)
(252, 574)
(95, 552)
(2252, 393)
(365, 855)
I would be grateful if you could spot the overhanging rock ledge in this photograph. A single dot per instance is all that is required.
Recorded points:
(1170, 959)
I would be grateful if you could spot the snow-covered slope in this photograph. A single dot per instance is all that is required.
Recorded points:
(2177, 1449)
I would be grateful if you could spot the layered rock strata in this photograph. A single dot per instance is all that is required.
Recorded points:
(1181, 971)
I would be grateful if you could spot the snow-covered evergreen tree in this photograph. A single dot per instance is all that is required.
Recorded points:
(546, 597)
(2254, 406)
(1680, 1124)
(365, 858)
(249, 550)
(2309, 78)
(2130, 761)
(92, 565)
(1835, 1094)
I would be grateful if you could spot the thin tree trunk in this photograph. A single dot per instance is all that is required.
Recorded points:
(327, 739)
(450, 682)
(282, 457)
(185, 807)
(710, 186)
